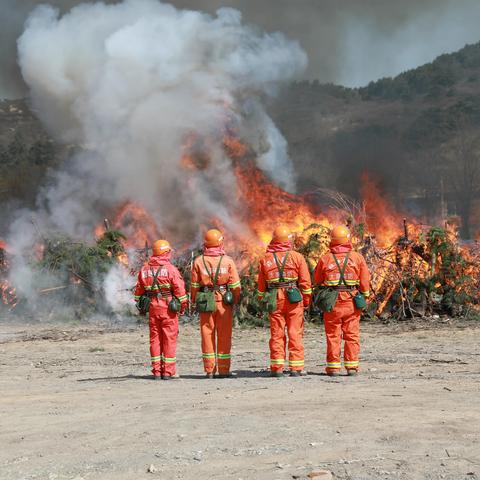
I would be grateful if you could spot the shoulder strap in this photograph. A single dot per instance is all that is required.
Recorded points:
(217, 272)
(342, 269)
(155, 277)
(282, 267)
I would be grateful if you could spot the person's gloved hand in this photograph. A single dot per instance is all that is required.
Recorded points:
(183, 308)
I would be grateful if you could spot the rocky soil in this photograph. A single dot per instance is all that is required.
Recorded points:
(77, 402)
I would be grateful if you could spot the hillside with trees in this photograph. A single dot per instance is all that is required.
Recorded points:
(417, 135)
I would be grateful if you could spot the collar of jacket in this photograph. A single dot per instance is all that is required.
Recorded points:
(158, 260)
(214, 251)
(343, 248)
(279, 247)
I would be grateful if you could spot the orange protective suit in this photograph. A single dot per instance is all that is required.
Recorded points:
(216, 327)
(288, 315)
(163, 323)
(344, 319)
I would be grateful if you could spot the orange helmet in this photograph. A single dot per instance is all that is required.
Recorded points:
(282, 234)
(161, 246)
(340, 235)
(213, 238)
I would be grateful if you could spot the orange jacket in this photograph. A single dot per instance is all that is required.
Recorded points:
(356, 272)
(295, 271)
(228, 276)
(169, 279)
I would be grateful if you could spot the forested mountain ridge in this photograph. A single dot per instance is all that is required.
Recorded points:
(417, 134)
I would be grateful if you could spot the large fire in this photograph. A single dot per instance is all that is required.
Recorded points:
(399, 253)
(8, 293)
(260, 205)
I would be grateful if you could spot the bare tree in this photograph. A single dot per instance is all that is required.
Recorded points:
(462, 173)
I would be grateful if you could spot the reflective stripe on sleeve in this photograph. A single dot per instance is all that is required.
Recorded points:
(307, 291)
(183, 298)
(234, 284)
(366, 293)
(195, 285)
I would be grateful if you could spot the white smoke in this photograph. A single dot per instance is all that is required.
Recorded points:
(128, 82)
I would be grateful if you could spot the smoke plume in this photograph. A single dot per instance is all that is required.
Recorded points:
(129, 83)
(350, 42)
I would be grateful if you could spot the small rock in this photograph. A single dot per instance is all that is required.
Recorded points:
(320, 475)
(151, 468)
(198, 456)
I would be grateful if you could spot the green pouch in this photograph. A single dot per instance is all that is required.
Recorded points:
(143, 304)
(326, 298)
(205, 302)
(174, 305)
(269, 301)
(360, 301)
(227, 298)
(293, 295)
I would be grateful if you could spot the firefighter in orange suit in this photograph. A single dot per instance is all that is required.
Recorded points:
(216, 327)
(287, 315)
(161, 280)
(344, 320)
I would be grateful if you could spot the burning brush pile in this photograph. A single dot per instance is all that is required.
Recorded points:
(417, 271)
(167, 110)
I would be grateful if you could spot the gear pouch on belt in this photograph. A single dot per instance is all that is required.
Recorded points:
(326, 298)
(227, 298)
(205, 302)
(143, 304)
(360, 301)
(269, 301)
(293, 295)
(174, 305)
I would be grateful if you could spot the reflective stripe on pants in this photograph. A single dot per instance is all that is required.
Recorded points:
(342, 322)
(163, 339)
(216, 331)
(289, 317)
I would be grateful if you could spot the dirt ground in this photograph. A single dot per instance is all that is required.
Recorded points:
(77, 402)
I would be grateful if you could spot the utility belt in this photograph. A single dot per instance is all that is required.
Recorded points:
(164, 293)
(210, 288)
(274, 285)
(344, 288)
